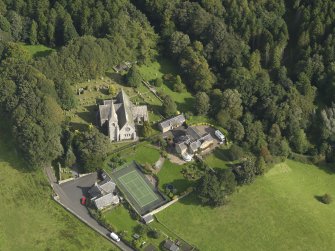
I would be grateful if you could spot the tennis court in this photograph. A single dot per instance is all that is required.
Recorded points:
(137, 189)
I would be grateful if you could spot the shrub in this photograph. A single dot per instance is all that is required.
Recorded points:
(326, 199)
(154, 234)
(158, 82)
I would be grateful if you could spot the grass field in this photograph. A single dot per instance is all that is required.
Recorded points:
(138, 188)
(171, 174)
(38, 50)
(143, 153)
(29, 218)
(277, 212)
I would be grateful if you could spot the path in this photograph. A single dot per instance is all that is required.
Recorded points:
(159, 163)
(78, 210)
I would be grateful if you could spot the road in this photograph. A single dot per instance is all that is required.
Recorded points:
(69, 195)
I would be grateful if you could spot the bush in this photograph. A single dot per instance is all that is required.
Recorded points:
(158, 82)
(154, 234)
(326, 199)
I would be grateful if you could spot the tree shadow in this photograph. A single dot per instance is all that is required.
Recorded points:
(8, 152)
(90, 115)
(326, 167)
(116, 77)
(84, 190)
(43, 53)
(319, 198)
(187, 105)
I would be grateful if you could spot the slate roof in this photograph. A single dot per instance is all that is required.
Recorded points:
(122, 110)
(148, 218)
(102, 188)
(170, 245)
(140, 112)
(106, 200)
(193, 132)
(179, 119)
(108, 187)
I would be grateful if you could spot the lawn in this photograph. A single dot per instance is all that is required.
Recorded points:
(29, 218)
(143, 153)
(277, 212)
(120, 219)
(184, 100)
(171, 174)
(217, 159)
(38, 50)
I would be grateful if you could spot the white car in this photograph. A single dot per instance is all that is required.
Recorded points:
(114, 236)
(187, 157)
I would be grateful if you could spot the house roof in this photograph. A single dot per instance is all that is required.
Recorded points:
(179, 119)
(108, 187)
(170, 245)
(102, 188)
(193, 132)
(148, 218)
(195, 145)
(106, 200)
(182, 146)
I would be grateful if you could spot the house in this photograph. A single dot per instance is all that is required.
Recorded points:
(121, 116)
(192, 142)
(102, 194)
(170, 245)
(148, 218)
(171, 123)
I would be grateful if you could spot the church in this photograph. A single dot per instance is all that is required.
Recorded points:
(121, 116)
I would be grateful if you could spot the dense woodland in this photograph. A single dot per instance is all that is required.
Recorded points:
(266, 68)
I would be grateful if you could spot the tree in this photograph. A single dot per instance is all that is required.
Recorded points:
(91, 149)
(65, 95)
(215, 187)
(33, 33)
(236, 129)
(202, 103)
(158, 82)
(112, 89)
(146, 129)
(169, 106)
(178, 85)
(299, 141)
(178, 42)
(133, 77)
(326, 198)
(246, 172)
(69, 158)
(231, 106)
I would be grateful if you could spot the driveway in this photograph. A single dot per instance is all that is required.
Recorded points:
(69, 195)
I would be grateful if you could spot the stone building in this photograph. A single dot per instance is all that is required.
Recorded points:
(120, 116)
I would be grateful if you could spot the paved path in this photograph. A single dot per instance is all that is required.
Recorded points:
(67, 200)
(159, 163)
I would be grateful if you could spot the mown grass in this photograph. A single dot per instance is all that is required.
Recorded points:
(38, 50)
(142, 153)
(277, 212)
(29, 218)
(120, 219)
(171, 174)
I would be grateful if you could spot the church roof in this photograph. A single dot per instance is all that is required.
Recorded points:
(124, 112)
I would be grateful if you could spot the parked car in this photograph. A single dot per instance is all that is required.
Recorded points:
(83, 200)
(187, 157)
(114, 236)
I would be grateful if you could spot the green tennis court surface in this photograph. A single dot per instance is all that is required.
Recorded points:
(137, 187)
